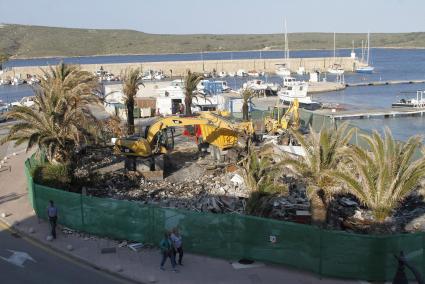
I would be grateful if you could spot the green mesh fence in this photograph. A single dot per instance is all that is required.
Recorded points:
(233, 236)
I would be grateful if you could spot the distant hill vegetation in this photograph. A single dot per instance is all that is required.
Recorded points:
(22, 41)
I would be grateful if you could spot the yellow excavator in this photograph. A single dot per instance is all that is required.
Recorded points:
(158, 138)
(280, 119)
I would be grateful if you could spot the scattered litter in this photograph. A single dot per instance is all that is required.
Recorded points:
(136, 246)
(237, 179)
(237, 265)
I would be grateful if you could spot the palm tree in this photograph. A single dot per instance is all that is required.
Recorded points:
(384, 174)
(246, 95)
(191, 82)
(261, 178)
(132, 79)
(322, 154)
(60, 122)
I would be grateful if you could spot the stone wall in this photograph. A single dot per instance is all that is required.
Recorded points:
(179, 67)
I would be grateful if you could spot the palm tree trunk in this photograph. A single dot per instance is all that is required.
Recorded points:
(187, 105)
(318, 210)
(245, 111)
(130, 117)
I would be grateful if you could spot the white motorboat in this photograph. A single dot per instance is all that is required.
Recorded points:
(159, 75)
(232, 74)
(4, 81)
(282, 70)
(25, 101)
(241, 73)
(260, 85)
(418, 102)
(222, 74)
(253, 73)
(293, 89)
(336, 69)
(16, 81)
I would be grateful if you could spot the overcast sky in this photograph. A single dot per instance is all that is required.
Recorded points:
(221, 16)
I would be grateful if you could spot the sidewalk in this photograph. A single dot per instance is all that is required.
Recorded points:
(140, 266)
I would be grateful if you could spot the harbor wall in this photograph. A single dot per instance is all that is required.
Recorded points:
(180, 67)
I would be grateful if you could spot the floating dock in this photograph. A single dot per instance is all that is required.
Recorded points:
(383, 83)
(377, 113)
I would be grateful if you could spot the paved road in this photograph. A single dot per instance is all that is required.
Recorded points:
(49, 266)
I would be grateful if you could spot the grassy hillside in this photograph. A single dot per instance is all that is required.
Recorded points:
(35, 41)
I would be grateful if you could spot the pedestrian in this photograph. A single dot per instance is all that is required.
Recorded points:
(176, 238)
(167, 251)
(52, 213)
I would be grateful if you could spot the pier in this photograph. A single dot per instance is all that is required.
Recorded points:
(374, 113)
(179, 68)
(383, 83)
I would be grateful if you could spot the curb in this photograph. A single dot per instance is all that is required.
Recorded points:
(78, 259)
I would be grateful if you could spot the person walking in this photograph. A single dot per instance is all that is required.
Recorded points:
(176, 238)
(52, 213)
(167, 251)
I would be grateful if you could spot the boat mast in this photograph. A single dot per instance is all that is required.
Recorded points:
(286, 52)
(362, 51)
(368, 48)
(334, 48)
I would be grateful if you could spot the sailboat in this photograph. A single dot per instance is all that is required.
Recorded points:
(283, 69)
(335, 69)
(368, 68)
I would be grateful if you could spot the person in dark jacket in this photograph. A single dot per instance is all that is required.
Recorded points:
(52, 213)
(167, 251)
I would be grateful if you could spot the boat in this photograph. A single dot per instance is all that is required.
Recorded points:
(301, 70)
(4, 81)
(213, 86)
(293, 89)
(222, 74)
(159, 75)
(253, 73)
(368, 68)
(418, 102)
(25, 101)
(16, 81)
(241, 73)
(283, 69)
(232, 74)
(335, 68)
(260, 85)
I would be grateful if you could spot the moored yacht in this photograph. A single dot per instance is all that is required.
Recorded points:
(418, 102)
(293, 89)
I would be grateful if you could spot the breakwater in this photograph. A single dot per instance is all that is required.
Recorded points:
(178, 68)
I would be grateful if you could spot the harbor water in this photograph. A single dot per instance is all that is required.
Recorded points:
(390, 64)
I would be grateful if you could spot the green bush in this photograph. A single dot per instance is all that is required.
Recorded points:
(53, 175)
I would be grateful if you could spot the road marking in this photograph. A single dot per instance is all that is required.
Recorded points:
(63, 256)
(18, 258)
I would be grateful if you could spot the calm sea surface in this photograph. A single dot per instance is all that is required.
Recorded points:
(390, 64)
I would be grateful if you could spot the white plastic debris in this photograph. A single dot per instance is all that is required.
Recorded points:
(136, 246)
(237, 179)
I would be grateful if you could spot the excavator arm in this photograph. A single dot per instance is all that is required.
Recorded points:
(156, 135)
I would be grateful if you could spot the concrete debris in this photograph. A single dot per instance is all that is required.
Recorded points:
(237, 180)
